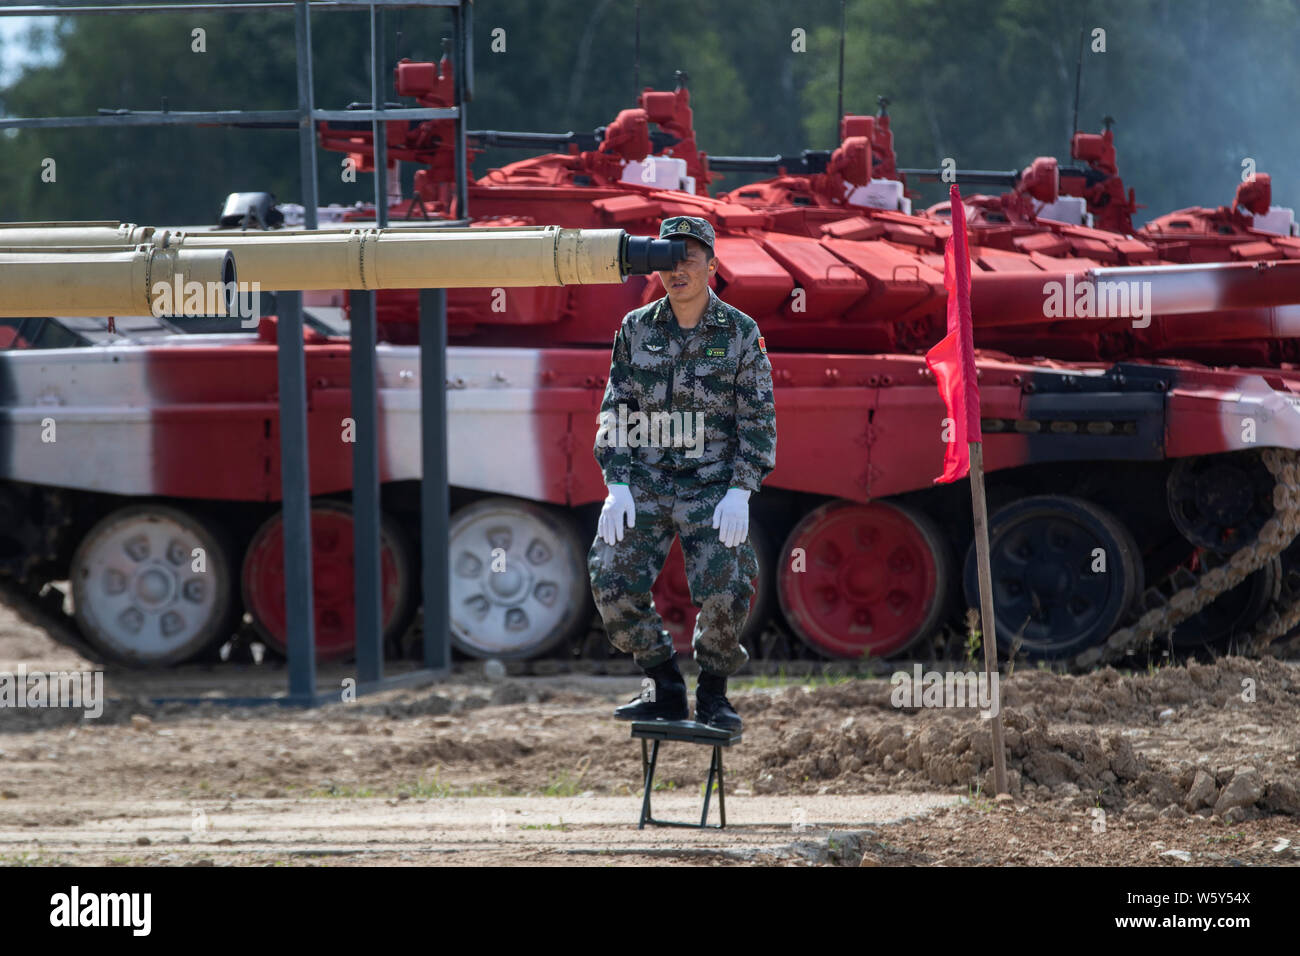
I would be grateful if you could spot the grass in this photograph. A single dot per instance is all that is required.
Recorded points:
(974, 639)
(666, 785)
(31, 859)
(423, 788)
(545, 826)
(977, 801)
(341, 790)
(568, 784)
(782, 679)
(1155, 667)
(426, 789)
(563, 785)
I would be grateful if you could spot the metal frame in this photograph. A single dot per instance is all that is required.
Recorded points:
(690, 732)
(291, 356)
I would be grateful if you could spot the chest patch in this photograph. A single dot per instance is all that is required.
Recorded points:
(715, 353)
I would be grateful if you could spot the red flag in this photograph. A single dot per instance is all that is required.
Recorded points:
(953, 359)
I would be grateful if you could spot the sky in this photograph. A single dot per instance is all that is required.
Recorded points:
(13, 50)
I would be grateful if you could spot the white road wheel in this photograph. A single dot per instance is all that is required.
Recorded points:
(151, 585)
(519, 580)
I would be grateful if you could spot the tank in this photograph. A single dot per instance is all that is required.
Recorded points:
(903, 306)
(118, 462)
(1086, 456)
(1085, 210)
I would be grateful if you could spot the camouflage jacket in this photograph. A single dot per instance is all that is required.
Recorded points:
(720, 378)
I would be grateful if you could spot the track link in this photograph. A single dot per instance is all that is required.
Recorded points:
(1184, 593)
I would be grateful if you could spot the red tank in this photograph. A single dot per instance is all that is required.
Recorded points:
(1091, 443)
(824, 276)
(1085, 210)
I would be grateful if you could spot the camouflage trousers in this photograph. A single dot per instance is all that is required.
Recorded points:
(721, 580)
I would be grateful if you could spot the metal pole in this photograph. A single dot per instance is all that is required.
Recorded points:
(366, 573)
(295, 496)
(462, 18)
(378, 125)
(839, 100)
(988, 625)
(306, 103)
(434, 497)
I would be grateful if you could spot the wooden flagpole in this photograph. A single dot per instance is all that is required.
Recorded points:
(988, 625)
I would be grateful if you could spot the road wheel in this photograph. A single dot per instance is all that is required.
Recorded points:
(1046, 595)
(519, 582)
(870, 579)
(1220, 502)
(152, 585)
(333, 595)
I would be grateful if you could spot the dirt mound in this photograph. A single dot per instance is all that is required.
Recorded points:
(1116, 760)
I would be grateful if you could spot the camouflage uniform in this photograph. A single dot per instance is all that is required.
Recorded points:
(719, 369)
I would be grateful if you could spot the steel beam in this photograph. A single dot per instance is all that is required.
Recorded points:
(434, 495)
(300, 614)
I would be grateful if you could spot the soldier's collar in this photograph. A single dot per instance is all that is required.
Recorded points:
(714, 313)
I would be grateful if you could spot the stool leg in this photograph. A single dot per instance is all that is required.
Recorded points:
(722, 788)
(648, 770)
(708, 788)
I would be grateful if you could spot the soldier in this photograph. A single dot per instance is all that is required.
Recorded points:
(690, 375)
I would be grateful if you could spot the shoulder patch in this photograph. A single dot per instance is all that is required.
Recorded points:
(761, 347)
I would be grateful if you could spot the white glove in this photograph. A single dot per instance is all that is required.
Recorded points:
(732, 517)
(618, 505)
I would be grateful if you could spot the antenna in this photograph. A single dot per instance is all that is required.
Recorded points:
(636, 56)
(1078, 82)
(839, 99)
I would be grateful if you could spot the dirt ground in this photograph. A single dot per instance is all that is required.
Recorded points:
(1180, 766)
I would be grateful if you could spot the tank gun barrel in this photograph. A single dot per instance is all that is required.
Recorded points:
(584, 141)
(973, 177)
(991, 177)
(807, 163)
(1140, 292)
(513, 139)
(78, 280)
(393, 258)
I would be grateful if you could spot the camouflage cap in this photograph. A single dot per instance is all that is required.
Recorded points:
(691, 226)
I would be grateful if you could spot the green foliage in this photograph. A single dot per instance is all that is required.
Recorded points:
(976, 800)
(562, 826)
(1195, 87)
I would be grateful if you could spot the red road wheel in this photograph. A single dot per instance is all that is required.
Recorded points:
(874, 579)
(332, 580)
(672, 594)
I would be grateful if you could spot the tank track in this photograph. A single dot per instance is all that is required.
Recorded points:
(1184, 593)
(43, 609)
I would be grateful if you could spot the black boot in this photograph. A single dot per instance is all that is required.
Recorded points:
(711, 704)
(669, 700)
